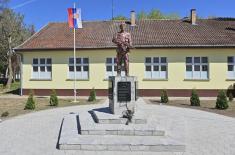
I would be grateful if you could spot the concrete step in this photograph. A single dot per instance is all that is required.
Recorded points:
(72, 139)
(84, 124)
(119, 143)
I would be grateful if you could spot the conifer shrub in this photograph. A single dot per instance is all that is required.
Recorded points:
(30, 104)
(164, 96)
(5, 114)
(194, 99)
(230, 96)
(221, 102)
(92, 96)
(53, 98)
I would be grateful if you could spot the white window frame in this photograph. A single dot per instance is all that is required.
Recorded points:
(113, 64)
(231, 74)
(196, 75)
(80, 75)
(47, 74)
(159, 75)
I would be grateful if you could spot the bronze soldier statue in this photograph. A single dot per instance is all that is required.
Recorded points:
(124, 43)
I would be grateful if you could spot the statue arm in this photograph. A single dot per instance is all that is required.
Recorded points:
(116, 40)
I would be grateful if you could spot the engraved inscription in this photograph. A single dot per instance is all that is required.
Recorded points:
(124, 91)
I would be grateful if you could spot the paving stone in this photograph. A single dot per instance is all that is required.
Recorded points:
(94, 147)
(37, 133)
(126, 132)
(158, 133)
(118, 147)
(70, 147)
(143, 133)
(139, 148)
(140, 121)
(111, 132)
(97, 132)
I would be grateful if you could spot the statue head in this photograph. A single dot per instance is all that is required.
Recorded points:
(122, 26)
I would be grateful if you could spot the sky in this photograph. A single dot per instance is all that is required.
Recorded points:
(41, 12)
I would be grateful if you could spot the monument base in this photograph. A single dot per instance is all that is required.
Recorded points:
(108, 118)
(80, 132)
(122, 93)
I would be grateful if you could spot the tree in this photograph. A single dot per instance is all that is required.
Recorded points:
(120, 17)
(156, 14)
(53, 98)
(13, 32)
(194, 99)
(221, 102)
(30, 104)
(142, 15)
(92, 96)
(164, 96)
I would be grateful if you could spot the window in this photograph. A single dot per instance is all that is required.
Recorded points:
(231, 65)
(156, 67)
(111, 67)
(82, 68)
(197, 68)
(41, 68)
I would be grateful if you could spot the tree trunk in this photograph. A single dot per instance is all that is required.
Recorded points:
(14, 75)
(10, 72)
(6, 73)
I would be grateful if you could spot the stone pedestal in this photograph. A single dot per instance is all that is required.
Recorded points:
(122, 93)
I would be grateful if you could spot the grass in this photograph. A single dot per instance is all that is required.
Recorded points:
(15, 88)
(15, 106)
(206, 105)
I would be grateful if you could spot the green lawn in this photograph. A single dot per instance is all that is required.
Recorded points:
(205, 105)
(15, 106)
(15, 88)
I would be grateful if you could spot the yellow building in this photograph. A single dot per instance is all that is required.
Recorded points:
(176, 55)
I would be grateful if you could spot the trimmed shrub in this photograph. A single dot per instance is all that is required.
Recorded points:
(30, 104)
(5, 114)
(92, 96)
(164, 96)
(194, 99)
(53, 98)
(221, 102)
(230, 96)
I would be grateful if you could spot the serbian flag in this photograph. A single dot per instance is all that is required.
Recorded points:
(74, 18)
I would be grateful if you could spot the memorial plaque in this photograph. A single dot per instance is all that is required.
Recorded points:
(124, 91)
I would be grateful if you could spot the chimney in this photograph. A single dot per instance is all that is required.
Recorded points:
(133, 18)
(193, 17)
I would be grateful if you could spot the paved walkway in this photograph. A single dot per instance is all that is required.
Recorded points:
(37, 133)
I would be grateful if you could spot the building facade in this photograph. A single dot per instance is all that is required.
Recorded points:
(177, 70)
(169, 54)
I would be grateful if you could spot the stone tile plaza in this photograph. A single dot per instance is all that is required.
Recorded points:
(201, 132)
(152, 83)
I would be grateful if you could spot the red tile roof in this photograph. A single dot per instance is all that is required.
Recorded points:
(147, 33)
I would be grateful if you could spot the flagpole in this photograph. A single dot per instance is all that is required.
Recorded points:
(74, 61)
